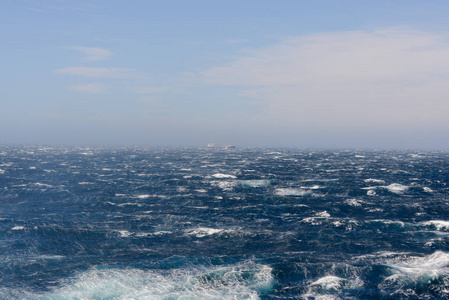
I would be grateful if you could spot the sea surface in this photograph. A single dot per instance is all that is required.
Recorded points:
(185, 223)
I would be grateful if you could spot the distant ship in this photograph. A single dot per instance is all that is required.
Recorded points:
(212, 146)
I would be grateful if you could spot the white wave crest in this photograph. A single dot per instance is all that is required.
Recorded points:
(43, 185)
(438, 224)
(253, 183)
(412, 272)
(354, 202)
(387, 222)
(323, 214)
(221, 175)
(291, 192)
(18, 228)
(394, 188)
(328, 282)
(240, 281)
(374, 180)
(318, 219)
(331, 287)
(225, 185)
(124, 233)
(427, 189)
(203, 231)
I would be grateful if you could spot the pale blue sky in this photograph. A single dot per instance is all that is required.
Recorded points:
(370, 74)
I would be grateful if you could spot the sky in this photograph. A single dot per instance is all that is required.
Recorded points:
(308, 74)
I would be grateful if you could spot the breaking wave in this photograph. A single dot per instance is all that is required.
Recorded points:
(241, 281)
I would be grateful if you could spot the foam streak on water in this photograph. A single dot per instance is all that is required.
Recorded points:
(138, 223)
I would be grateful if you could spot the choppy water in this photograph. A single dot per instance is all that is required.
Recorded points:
(94, 223)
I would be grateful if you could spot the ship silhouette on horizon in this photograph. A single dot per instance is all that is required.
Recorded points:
(211, 145)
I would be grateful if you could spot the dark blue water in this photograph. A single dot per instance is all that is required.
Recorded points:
(97, 223)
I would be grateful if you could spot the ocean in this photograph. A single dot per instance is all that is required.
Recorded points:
(186, 223)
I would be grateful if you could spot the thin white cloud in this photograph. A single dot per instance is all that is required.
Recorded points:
(93, 54)
(101, 72)
(92, 88)
(385, 77)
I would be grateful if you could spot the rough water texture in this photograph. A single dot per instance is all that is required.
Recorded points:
(98, 223)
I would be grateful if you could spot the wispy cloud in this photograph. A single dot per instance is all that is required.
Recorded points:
(92, 88)
(93, 54)
(101, 72)
(391, 76)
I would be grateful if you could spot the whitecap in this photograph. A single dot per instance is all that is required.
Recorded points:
(291, 192)
(411, 272)
(124, 233)
(225, 185)
(182, 189)
(51, 257)
(18, 228)
(396, 188)
(221, 175)
(203, 231)
(313, 221)
(347, 224)
(87, 153)
(239, 281)
(354, 202)
(328, 282)
(129, 204)
(387, 222)
(273, 152)
(427, 190)
(374, 180)
(331, 287)
(438, 224)
(323, 214)
(253, 183)
(162, 232)
(43, 184)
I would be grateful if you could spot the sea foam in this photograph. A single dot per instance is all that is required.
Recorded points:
(240, 281)
(412, 274)
(220, 175)
(291, 192)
